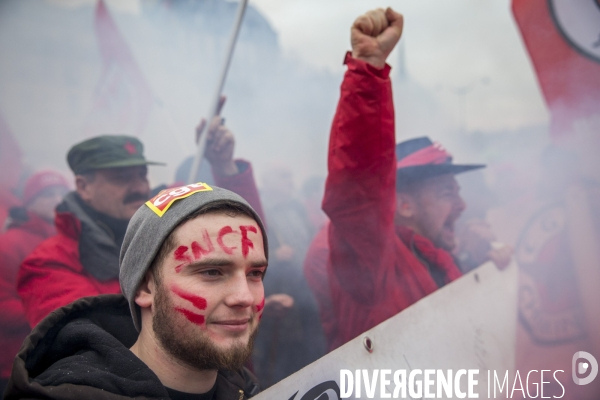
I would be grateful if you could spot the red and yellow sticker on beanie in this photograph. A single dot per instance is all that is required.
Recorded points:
(162, 201)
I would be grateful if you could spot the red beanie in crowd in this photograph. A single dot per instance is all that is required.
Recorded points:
(40, 181)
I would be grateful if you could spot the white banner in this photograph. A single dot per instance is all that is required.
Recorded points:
(467, 326)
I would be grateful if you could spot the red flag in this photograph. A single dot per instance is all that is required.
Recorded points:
(123, 99)
(563, 40)
(10, 167)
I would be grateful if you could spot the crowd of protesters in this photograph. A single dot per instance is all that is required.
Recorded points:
(128, 291)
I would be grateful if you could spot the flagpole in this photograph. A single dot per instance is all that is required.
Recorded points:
(214, 105)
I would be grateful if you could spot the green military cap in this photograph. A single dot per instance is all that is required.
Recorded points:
(107, 151)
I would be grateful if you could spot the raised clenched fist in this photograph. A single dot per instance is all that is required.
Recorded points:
(374, 35)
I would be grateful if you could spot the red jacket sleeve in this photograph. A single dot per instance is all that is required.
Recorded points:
(360, 189)
(243, 184)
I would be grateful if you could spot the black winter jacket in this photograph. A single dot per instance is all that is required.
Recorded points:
(81, 351)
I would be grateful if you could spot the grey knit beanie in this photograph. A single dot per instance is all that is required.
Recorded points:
(154, 221)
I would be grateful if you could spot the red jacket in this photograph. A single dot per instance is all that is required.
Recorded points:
(315, 272)
(53, 275)
(15, 244)
(372, 273)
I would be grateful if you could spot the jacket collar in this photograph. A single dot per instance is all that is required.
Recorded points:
(98, 252)
(434, 257)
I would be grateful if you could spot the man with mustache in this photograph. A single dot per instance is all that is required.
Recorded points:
(392, 208)
(82, 259)
(191, 273)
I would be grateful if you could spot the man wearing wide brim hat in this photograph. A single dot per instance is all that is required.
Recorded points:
(420, 158)
(428, 203)
(392, 208)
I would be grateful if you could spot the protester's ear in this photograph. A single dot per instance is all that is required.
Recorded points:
(144, 296)
(81, 185)
(405, 205)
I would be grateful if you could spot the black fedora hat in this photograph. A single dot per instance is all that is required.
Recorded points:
(420, 158)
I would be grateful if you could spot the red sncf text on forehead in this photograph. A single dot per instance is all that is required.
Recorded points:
(162, 201)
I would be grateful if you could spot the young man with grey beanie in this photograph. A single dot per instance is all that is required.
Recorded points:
(191, 270)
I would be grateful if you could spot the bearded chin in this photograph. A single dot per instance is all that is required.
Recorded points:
(197, 351)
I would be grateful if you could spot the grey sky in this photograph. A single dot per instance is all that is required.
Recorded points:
(448, 44)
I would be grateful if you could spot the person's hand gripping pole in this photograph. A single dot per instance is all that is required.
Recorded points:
(220, 144)
(214, 107)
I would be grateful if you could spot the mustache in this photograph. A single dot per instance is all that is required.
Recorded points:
(134, 197)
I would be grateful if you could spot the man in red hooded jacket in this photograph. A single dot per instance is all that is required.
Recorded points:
(392, 209)
(28, 226)
(82, 259)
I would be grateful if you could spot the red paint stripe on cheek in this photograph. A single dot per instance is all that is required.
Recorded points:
(194, 318)
(261, 305)
(197, 301)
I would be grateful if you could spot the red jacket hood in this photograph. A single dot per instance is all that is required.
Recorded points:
(34, 224)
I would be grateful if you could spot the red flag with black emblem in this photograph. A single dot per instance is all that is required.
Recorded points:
(563, 41)
(123, 99)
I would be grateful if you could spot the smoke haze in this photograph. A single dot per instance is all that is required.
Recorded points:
(283, 83)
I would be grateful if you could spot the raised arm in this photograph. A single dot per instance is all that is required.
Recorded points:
(360, 189)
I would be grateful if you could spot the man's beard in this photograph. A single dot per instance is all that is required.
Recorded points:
(196, 351)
